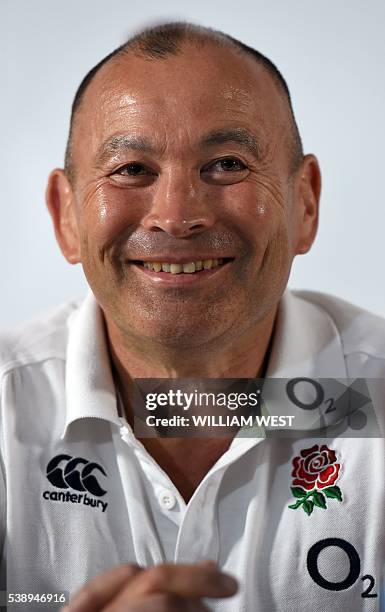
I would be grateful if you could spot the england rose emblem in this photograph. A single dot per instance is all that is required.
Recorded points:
(315, 472)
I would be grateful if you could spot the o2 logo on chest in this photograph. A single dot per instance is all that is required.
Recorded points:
(354, 567)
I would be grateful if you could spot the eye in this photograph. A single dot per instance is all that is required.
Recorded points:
(225, 171)
(228, 164)
(132, 169)
(133, 174)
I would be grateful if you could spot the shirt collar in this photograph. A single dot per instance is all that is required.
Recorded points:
(89, 387)
(306, 343)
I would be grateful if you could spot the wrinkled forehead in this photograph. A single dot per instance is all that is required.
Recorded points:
(195, 89)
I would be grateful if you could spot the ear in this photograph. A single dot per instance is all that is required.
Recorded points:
(308, 196)
(62, 208)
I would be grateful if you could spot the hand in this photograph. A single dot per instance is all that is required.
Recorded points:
(164, 588)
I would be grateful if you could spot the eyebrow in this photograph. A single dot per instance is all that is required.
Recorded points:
(120, 144)
(240, 136)
(129, 142)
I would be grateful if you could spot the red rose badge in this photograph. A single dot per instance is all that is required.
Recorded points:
(315, 472)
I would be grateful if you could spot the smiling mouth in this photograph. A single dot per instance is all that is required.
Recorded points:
(191, 267)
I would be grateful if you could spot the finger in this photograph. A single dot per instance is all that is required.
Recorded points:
(99, 591)
(185, 580)
(158, 602)
(195, 605)
(208, 563)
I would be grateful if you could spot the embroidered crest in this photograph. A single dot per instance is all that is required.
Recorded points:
(315, 472)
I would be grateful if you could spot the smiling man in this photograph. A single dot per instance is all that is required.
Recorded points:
(185, 197)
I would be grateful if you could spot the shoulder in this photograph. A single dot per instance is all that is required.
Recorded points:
(39, 339)
(360, 330)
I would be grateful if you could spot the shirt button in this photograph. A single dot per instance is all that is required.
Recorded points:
(167, 500)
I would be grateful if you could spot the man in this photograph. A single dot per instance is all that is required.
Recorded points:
(186, 196)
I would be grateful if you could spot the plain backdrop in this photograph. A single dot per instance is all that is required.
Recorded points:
(332, 55)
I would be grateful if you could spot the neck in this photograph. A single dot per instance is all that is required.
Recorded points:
(243, 356)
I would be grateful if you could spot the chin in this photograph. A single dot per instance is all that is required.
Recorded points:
(174, 336)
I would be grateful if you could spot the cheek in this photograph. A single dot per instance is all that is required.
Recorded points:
(108, 213)
(258, 215)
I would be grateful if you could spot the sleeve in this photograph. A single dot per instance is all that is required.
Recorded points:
(3, 506)
(3, 498)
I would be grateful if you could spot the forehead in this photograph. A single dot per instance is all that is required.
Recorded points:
(196, 90)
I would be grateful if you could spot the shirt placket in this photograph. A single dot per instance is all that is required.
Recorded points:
(196, 525)
(198, 537)
(147, 546)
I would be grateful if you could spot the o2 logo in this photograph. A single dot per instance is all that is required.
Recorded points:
(354, 567)
(319, 399)
(349, 399)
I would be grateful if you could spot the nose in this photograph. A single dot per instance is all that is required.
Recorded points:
(180, 206)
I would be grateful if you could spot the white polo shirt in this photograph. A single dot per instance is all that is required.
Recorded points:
(79, 494)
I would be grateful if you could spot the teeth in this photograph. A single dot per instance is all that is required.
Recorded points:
(189, 267)
(176, 268)
(186, 268)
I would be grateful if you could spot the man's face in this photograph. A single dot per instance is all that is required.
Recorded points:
(180, 161)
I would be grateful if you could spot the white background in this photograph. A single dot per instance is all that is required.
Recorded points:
(332, 55)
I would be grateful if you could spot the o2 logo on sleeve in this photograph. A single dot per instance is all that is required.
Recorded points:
(354, 567)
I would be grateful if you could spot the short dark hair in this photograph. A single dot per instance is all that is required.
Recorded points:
(160, 41)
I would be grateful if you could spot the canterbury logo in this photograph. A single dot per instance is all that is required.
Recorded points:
(64, 472)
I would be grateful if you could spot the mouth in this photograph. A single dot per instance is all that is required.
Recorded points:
(188, 267)
(182, 270)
